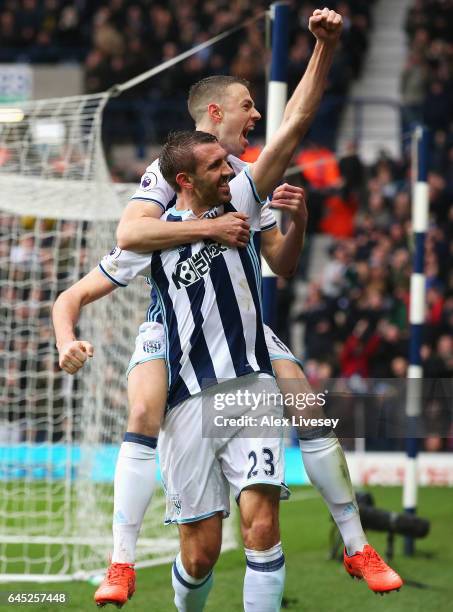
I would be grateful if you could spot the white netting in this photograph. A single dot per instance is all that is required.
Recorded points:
(59, 435)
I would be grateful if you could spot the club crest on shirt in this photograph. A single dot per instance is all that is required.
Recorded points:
(149, 180)
(152, 346)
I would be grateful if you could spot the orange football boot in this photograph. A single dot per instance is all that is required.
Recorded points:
(368, 565)
(118, 585)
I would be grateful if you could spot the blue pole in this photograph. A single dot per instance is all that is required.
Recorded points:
(420, 210)
(276, 102)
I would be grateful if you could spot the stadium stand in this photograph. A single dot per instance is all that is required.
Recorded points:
(119, 39)
(360, 304)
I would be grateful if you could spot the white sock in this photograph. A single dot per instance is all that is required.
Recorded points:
(328, 471)
(264, 579)
(135, 477)
(190, 593)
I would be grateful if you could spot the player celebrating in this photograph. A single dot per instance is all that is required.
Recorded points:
(209, 297)
(323, 457)
(221, 106)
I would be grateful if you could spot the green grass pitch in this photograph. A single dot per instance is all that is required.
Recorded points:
(312, 583)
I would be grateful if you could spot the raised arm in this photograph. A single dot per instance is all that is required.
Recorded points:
(300, 111)
(282, 251)
(66, 312)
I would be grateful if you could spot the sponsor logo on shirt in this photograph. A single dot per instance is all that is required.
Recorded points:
(198, 265)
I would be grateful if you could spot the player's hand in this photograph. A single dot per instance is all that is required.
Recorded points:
(326, 25)
(231, 229)
(292, 199)
(73, 355)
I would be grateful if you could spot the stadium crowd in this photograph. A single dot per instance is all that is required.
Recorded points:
(427, 79)
(356, 315)
(37, 258)
(119, 39)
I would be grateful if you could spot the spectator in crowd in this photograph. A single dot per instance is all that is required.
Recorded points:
(413, 88)
(316, 317)
(352, 169)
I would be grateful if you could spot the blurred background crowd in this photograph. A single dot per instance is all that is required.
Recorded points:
(118, 39)
(353, 316)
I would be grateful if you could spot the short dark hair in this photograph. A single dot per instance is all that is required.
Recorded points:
(208, 90)
(178, 156)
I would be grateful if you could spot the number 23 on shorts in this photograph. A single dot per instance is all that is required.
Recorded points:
(268, 459)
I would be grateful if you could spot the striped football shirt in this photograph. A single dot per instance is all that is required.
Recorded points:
(209, 297)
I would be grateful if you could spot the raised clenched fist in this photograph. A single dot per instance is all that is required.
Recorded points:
(326, 25)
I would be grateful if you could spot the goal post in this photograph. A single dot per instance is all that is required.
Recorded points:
(59, 435)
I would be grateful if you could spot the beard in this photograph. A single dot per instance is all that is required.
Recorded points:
(209, 195)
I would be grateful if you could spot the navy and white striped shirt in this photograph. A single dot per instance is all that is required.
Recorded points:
(210, 299)
(155, 189)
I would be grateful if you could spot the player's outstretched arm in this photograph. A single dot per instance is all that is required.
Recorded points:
(66, 312)
(140, 229)
(326, 26)
(267, 171)
(282, 251)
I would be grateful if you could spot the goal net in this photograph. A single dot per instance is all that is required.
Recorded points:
(59, 435)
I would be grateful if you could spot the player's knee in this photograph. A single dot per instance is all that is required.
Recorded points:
(144, 419)
(261, 532)
(198, 563)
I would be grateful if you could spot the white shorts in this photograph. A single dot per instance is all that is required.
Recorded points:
(198, 472)
(150, 344)
(278, 349)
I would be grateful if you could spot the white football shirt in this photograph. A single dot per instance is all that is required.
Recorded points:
(209, 297)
